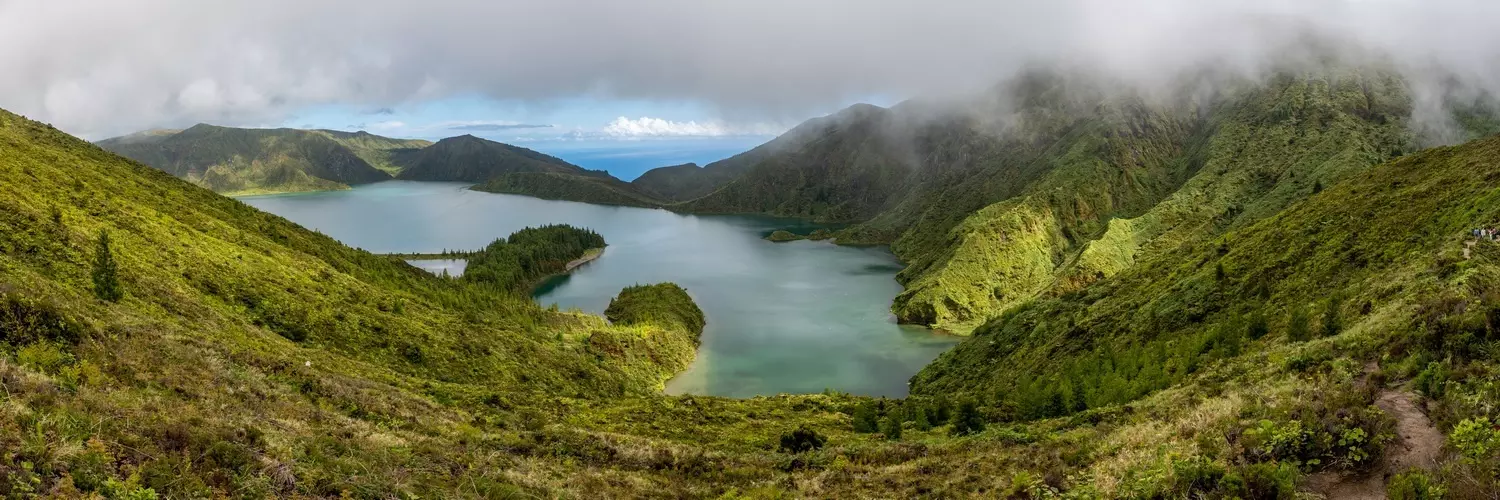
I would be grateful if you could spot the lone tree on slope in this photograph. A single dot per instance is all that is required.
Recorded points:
(106, 272)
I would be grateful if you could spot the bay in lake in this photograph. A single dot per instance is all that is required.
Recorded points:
(796, 317)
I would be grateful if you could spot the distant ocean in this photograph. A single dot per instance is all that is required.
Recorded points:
(629, 159)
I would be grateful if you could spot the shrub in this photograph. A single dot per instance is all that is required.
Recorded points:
(866, 418)
(1413, 485)
(45, 357)
(1477, 439)
(1297, 329)
(106, 272)
(920, 420)
(1432, 379)
(801, 440)
(967, 419)
(1257, 327)
(891, 428)
(24, 320)
(663, 303)
(1269, 480)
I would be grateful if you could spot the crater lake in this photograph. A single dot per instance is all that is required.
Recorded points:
(796, 317)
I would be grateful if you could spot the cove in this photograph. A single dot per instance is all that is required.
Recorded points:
(797, 317)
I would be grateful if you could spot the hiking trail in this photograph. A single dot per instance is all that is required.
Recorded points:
(1418, 444)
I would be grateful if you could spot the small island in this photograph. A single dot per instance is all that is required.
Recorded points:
(525, 258)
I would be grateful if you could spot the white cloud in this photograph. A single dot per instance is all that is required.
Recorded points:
(646, 126)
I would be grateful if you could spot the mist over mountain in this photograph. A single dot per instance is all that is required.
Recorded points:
(251, 63)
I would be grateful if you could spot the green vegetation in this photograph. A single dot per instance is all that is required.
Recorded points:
(249, 161)
(519, 261)
(596, 189)
(680, 183)
(470, 159)
(379, 152)
(782, 236)
(254, 161)
(106, 272)
(1194, 322)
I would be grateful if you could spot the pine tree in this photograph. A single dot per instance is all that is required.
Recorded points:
(1333, 323)
(1076, 398)
(106, 272)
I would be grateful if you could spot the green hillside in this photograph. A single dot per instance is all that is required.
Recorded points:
(1250, 154)
(679, 182)
(379, 152)
(596, 189)
(470, 159)
(244, 161)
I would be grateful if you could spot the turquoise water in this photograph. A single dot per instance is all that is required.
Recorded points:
(795, 317)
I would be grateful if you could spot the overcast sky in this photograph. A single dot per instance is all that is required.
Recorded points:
(637, 68)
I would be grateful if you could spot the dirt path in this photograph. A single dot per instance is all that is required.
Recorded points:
(1418, 444)
(1468, 248)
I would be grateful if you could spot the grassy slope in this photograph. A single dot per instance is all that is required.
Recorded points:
(1384, 241)
(216, 293)
(1256, 151)
(242, 161)
(379, 152)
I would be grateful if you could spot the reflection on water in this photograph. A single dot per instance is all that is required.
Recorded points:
(796, 317)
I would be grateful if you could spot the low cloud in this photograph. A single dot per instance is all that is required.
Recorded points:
(646, 126)
(104, 68)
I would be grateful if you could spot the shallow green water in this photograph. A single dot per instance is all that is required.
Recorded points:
(793, 317)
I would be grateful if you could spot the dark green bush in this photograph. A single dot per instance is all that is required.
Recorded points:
(801, 440)
(1297, 328)
(890, 426)
(866, 418)
(967, 419)
(24, 320)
